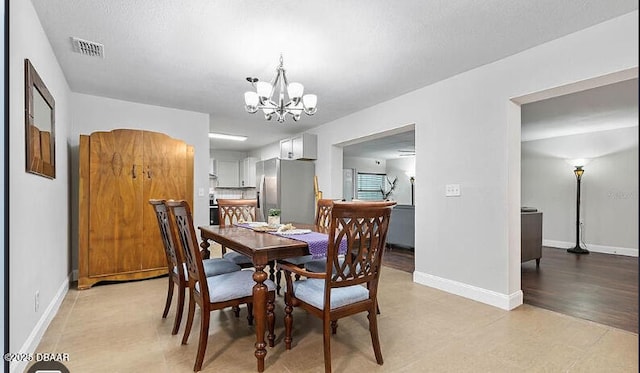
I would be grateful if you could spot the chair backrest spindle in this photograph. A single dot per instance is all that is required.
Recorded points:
(173, 254)
(231, 211)
(189, 243)
(364, 227)
(323, 212)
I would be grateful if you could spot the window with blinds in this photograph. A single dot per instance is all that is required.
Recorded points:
(370, 185)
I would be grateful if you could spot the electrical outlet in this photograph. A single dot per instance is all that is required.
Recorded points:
(37, 300)
(452, 190)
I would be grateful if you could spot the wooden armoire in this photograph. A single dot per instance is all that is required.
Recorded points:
(120, 171)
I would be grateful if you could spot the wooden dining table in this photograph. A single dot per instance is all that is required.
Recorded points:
(261, 248)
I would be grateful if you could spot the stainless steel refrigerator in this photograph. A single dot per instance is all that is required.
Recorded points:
(286, 185)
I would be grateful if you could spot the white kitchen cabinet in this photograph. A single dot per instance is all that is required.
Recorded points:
(248, 172)
(228, 173)
(286, 151)
(304, 146)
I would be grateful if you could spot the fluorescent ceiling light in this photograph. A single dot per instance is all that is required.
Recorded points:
(227, 137)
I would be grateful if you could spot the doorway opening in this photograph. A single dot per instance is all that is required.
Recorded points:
(382, 167)
(598, 124)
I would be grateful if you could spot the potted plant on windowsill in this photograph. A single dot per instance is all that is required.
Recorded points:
(274, 217)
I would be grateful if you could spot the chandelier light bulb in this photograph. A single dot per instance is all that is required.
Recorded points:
(251, 101)
(310, 102)
(263, 89)
(295, 90)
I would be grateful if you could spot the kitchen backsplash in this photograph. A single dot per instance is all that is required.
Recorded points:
(234, 193)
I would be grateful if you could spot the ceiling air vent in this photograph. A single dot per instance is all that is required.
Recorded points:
(88, 48)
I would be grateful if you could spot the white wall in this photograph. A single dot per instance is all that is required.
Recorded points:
(468, 133)
(267, 152)
(93, 113)
(39, 255)
(227, 155)
(609, 190)
(368, 165)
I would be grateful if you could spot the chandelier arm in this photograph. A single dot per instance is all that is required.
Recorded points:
(270, 104)
(274, 83)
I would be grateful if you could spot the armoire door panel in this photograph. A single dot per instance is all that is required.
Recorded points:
(115, 218)
(165, 175)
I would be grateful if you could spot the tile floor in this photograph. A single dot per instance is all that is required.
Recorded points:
(118, 328)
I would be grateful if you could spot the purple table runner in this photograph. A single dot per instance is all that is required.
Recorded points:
(243, 225)
(317, 242)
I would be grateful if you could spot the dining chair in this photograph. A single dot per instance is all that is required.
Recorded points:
(322, 220)
(231, 211)
(175, 264)
(216, 292)
(350, 283)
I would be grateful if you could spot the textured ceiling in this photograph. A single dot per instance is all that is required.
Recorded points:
(195, 55)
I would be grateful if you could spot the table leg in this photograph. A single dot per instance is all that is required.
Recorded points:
(260, 313)
(206, 254)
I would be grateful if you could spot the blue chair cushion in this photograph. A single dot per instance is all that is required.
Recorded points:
(232, 285)
(218, 266)
(316, 265)
(312, 291)
(212, 267)
(300, 260)
(236, 258)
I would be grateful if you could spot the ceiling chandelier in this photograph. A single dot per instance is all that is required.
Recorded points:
(263, 98)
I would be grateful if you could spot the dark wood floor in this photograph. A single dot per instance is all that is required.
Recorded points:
(597, 287)
(399, 258)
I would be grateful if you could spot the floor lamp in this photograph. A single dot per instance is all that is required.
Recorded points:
(577, 249)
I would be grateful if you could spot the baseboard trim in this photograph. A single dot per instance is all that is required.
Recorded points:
(492, 298)
(35, 337)
(626, 251)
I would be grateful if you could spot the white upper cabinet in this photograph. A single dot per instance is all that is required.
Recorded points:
(248, 172)
(228, 174)
(304, 146)
(286, 149)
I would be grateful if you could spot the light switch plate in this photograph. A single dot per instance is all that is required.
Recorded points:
(452, 190)
(200, 192)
